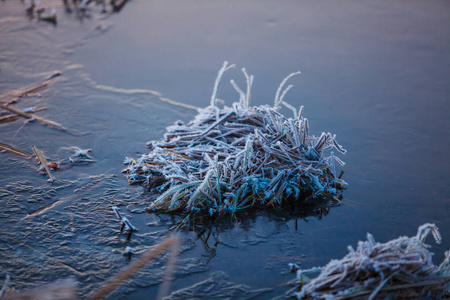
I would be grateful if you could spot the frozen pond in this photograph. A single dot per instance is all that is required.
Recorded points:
(376, 73)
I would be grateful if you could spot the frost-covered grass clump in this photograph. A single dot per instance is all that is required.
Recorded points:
(399, 269)
(232, 158)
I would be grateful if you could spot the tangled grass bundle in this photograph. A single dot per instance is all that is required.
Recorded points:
(232, 158)
(399, 269)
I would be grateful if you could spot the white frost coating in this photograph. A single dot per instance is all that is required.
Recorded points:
(81, 152)
(128, 250)
(117, 212)
(240, 92)
(364, 272)
(128, 224)
(250, 145)
(224, 68)
(284, 94)
(29, 109)
(277, 101)
(249, 80)
(425, 229)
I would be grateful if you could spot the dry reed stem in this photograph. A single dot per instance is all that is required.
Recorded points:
(33, 89)
(164, 288)
(40, 156)
(134, 268)
(15, 151)
(49, 123)
(9, 118)
(17, 94)
(14, 117)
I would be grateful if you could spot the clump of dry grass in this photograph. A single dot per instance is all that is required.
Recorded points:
(399, 269)
(232, 158)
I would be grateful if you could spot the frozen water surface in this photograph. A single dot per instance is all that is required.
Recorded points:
(376, 73)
